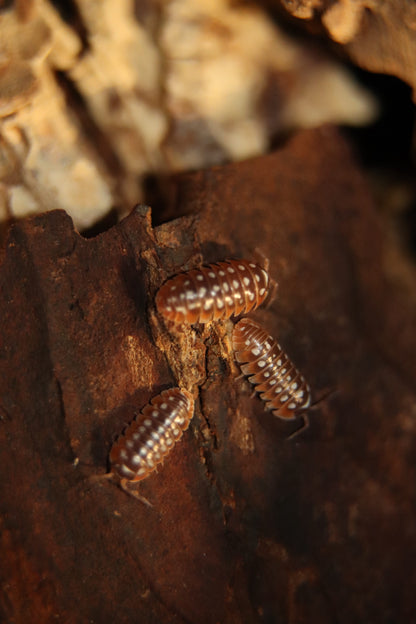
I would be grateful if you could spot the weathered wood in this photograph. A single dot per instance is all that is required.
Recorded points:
(246, 526)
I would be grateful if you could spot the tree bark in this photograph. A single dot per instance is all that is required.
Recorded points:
(246, 526)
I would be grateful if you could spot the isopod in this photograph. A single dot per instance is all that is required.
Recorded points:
(213, 292)
(277, 381)
(151, 436)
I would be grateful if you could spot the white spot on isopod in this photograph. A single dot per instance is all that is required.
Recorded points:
(126, 471)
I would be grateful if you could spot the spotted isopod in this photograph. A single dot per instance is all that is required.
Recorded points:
(151, 436)
(268, 368)
(213, 292)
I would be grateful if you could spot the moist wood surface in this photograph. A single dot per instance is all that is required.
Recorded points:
(246, 526)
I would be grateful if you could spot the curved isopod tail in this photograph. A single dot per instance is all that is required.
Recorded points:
(306, 422)
(303, 427)
(124, 486)
(122, 483)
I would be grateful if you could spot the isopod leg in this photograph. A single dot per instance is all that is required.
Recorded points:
(261, 259)
(271, 295)
(136, 495)
(100, 477)
(305, 426)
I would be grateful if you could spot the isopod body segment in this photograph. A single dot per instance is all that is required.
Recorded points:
(152, 435)
(213, 292)
(279, 384)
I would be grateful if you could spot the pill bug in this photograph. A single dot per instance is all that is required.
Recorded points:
(213, 292)
(268, 368)
(151, 436)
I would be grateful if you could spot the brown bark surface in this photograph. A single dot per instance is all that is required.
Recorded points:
(246, 526)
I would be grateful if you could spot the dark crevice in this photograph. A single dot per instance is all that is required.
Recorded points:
(160, 192)
(70, 14)
(105, 223)
(5, 5)
(387, 142)
(95, 135)
(384, 149)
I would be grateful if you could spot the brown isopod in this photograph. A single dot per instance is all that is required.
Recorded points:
(268, 368)
(213, 292)
(151, 436)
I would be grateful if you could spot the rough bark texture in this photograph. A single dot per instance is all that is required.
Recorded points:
(246, 526)
(378, 35)
(96, 95)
